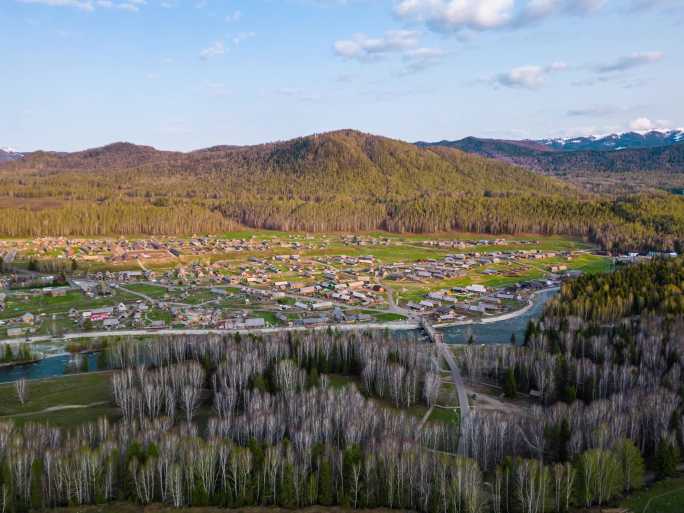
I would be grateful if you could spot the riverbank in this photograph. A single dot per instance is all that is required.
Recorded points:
(9, 365)
(502, 317)
(393, 326)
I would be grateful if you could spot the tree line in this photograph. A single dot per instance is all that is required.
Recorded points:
(280, 434)
(344, 181)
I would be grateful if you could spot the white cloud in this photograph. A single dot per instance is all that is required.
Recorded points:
(419, 59)
(127, 5)
(458, 14)
(404, 43)
(630, 61)
(361, 46)
(91, 5)
(481, 15)
(217, 48)
(527, 77)
(84, 5)
(644, 124)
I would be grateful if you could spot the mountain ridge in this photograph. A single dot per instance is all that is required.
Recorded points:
(343, 181)
(552, 161)
(616, 141)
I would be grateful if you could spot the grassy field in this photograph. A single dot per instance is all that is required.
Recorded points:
(82, 389)
(509, 274)
(199, 296)
(155, 314)
(388, 317)
(269, 317)
(152, 291)
(663, 497)
(42, 304)
(448, 415)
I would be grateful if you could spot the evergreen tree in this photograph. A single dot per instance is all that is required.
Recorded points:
(37, 484)
(287, 496)
(666, 459)
(511, 385)
(326, 492)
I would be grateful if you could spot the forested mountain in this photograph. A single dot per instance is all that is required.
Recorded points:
(338, 181)
(328, 164)
(546, 158)
(627, 140)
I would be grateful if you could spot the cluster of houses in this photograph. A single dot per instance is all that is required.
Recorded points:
(472, 243)
(158, 249)
(457, 265)
(634, 257)
(459, 303)
(25, 323)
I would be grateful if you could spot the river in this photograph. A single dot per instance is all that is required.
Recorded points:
(46, 368)
(499, 332)
(493, 333)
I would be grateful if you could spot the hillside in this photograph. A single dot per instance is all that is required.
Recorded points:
(608, 171)
(626, 140)
(344, 162)
(535, 155)
(338, 181)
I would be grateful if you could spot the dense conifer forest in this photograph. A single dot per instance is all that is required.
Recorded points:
(341, 181)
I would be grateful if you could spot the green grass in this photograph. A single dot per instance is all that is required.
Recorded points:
(70, 418)
(388, 317)
(525, 270)
(61, 304)
(672, 502)
(70, 390)
(56, 327)
(156, 314)
(153, 291)
(198, 297)
(447, 415)
(340, 381)
(269, 317)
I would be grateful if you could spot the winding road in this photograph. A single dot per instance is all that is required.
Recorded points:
(464, 405)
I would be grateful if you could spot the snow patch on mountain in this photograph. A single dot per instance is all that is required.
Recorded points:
(625, 140)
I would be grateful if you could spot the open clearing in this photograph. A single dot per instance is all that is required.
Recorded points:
(60, 394)
(663, 497)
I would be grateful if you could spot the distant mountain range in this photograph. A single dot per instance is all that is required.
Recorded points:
(595, 163)
(559, 157)
(345, 181)
(627, 140)
(8, 154)
(341, 162)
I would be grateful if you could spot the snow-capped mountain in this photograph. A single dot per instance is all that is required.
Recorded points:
(7, 154)
(627, 140)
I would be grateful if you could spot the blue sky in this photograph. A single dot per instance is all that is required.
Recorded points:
(186, 74)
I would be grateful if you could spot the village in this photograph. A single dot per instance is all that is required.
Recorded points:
(49, 287)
